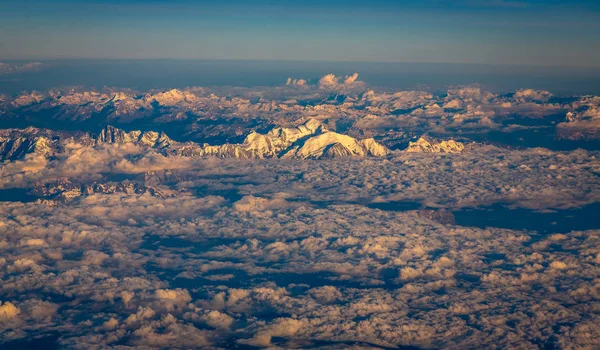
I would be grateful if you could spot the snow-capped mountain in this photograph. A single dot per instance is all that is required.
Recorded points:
(333, 145)
(310, 139)
(216, 116)
(426, 145)
(152, 139)
(15, 144)
(64, 189)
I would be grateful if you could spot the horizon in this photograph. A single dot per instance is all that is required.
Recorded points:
(484, 64)
(145, 74)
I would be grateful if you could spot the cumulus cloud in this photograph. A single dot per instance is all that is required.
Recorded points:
(332, 82)
(350, 79)
(295, 82)
(287, 253)
(8, 311)
(365, 279)
(530, 95)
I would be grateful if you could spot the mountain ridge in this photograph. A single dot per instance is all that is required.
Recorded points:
(310, 139)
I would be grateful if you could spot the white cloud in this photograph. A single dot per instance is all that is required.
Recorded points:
(8, 311)
(295, 82)
(331, 82)
(287, 253)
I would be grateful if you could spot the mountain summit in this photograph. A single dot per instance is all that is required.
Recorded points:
(311, 140)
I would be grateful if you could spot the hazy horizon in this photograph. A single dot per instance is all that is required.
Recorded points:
(147, 74)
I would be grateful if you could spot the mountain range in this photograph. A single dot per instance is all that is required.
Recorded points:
(205, 115)
(308, 140)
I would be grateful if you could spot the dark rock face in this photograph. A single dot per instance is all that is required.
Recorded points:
(336, 150)
(112, 135)
(165, 177)
(15, 144)
(65, 189)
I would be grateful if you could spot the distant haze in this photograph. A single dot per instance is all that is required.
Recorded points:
(166, 74)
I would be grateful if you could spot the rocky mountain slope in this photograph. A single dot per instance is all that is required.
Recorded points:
(310, 139)
(427, 145)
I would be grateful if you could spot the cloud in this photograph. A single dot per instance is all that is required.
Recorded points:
(295, 82)
(530, 95)
(212, 318)
(350, 79)
(6, 68)
(8, 311)
(39, 311)
(283, 327)
(582, 121)
(328, 81)
(461, 110)
(365, 280)
(331, 82)
(294, 253)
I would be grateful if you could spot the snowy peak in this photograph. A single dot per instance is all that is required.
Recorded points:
(28, 99)
(333, 145)
(310, 140)
(374, 148)
(279, 139)
(424, 145)
(291, 135)
(31, 140)
(42, 145)
(111, 135)
(172, 97)
(265, 145)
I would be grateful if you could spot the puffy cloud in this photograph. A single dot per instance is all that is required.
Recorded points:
(143, 313)
(582, 121)
(332, 82)
(350, 79)
(558, 265)
(177, 295)
(366, 281)
(287, 253)
(295, 82)
(328, 81)
(217, 319)
(8, 311)
(39, 311)
(111, 324)
(530, 95)
(283, 327)
(168, 332)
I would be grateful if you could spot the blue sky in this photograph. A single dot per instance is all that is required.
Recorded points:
(530, 32)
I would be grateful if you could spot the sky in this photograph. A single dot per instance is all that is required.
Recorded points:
(528, 32)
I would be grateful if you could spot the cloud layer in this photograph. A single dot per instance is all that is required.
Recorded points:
(130, 239)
